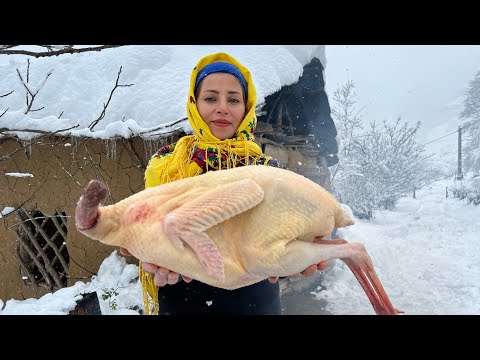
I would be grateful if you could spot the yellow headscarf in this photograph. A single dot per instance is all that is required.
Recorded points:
(175, 161)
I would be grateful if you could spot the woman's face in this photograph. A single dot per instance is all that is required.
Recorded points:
(221, 104)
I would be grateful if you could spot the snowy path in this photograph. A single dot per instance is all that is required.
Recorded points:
(426, 253)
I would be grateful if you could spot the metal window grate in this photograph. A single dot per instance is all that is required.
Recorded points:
(42, 250)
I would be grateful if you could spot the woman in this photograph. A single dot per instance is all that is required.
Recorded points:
(221, 110)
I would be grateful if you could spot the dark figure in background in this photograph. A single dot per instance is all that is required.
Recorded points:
(305, 105)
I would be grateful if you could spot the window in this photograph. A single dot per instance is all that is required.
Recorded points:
(41, 249)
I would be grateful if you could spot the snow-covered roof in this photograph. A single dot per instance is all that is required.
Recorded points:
(80, 84)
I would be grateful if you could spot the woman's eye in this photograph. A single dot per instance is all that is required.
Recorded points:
(234, 100)
(209, 99)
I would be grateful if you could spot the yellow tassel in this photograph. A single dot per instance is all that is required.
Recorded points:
(150, 292)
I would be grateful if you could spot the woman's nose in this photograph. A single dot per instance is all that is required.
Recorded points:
(222, 106)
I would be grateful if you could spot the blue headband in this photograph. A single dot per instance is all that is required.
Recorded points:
(221, 67)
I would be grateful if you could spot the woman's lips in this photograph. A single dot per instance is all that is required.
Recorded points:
(222, 123)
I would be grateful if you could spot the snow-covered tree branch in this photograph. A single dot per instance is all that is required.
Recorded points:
(471, 125)
(379, 165)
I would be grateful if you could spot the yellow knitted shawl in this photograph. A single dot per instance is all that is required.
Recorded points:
(175, 161)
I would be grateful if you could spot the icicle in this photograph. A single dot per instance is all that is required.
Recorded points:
(147, 144)
(150, 146)
(105, 142)
(73, 141)
(28, 148)
(114, 149)
(111, 148)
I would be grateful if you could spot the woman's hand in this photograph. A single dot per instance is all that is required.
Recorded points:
(310, 271)
(161, 276)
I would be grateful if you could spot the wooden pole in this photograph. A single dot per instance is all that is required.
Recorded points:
(459, 170)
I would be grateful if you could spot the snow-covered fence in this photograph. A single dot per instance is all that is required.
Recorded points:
(471, 196)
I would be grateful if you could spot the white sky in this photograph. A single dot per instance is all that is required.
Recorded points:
(417, 82)
(426, 253)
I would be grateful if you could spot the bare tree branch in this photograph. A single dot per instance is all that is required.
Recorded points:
(34, 141)
(28, 70)
(68, 173)
(28, 199)
(32, 110)
(102, 115)
(5, 47)
(44, 132)
(7, 94)
(69, 49)
(164, 126)
(29, 91)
